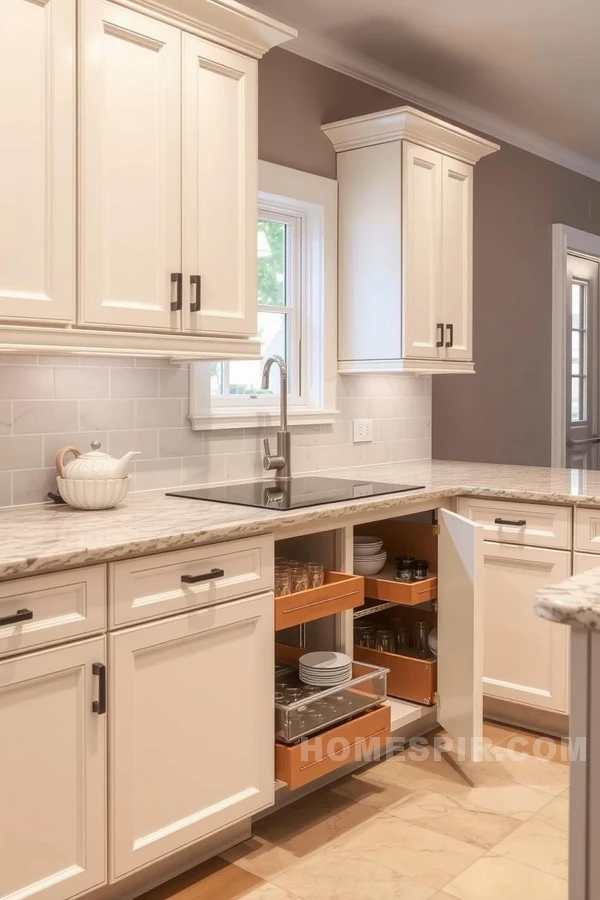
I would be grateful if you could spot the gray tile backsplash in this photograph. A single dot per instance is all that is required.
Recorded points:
(142, 404)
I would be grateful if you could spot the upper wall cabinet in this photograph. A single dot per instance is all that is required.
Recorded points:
(37, 160)
(166, 124)
(406, 242)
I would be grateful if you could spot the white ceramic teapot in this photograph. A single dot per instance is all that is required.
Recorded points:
(94, 464)
(93, 480)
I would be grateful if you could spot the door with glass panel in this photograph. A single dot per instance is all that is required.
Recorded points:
(583, 323)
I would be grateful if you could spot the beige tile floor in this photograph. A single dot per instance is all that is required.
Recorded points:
(407, 830)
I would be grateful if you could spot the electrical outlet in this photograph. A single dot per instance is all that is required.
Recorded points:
(363, 430)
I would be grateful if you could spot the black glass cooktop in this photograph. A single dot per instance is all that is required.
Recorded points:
(294, 494)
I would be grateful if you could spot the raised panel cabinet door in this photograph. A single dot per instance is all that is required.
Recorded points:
(525, 658)
(457, 258)
(220, 148)
(53, 774)
(130, 172)
(421, 251)
(460, 632)
(37, 160)
(192, 747)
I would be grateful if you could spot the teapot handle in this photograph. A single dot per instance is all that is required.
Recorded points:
(61, 455)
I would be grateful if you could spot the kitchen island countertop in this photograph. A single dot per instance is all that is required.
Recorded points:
(48, 537)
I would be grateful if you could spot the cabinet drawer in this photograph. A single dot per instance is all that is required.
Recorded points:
(154, 586)
(531, 524)
(338, 593)
(408, 678)
(332, 749)
(54, 608)
(587, 530)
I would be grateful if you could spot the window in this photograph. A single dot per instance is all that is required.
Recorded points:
(297, 312)
(279, 251)
(579, 326)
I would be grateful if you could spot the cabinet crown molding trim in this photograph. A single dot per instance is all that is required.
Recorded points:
(356, 65)
(407, 123)
(221, 21)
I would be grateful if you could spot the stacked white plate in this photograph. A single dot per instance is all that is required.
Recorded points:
(369, 559)
(325, 668)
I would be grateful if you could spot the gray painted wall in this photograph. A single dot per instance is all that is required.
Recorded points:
(502, 413)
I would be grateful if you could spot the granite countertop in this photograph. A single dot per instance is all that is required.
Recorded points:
(47, 537)
(574, 601)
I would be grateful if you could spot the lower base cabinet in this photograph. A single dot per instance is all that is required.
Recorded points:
(192, 730)
(526, 658)
(52, 773)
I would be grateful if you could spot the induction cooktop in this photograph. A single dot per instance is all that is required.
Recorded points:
(294, 494)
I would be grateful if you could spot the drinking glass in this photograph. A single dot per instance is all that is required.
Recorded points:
(420, 635)
(385, 640)
(316, 575)
(298, 577)
(282, 580)
(402, 639)
(364, 636)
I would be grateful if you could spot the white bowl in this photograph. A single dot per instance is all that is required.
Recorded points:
(89, 493)
(367, 545)
(369, 565)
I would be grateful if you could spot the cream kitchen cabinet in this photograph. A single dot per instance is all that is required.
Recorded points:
(220, 189)
(166, 125)
(405, 233)
(53, 764)
(192, 747)
(37, 161)
(526, 658)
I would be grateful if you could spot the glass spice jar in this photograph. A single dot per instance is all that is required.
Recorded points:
(420, 569)
(404, 568)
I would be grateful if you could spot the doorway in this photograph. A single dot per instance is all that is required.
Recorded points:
(575, 410)
(581, 383)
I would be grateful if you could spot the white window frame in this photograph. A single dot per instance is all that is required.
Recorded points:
(312, 200)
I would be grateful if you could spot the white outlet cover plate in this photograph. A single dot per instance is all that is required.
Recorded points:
(362, 430)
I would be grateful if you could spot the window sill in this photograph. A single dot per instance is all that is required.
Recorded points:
(221, 419)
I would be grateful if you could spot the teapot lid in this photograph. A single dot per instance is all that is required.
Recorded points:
(96, 452)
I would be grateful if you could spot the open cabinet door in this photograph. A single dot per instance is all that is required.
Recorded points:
(460, 632)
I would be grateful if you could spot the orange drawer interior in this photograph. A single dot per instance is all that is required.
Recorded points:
(409, 678)
(339, 592)
(403, 539)
(354, 741)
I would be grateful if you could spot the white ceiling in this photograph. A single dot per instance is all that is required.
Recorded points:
(533, 63)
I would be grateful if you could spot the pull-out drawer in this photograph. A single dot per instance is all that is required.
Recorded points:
(531, 524)
(153, 586)
(49, 609)
(333, 749)
(587, 531)
(339, 592)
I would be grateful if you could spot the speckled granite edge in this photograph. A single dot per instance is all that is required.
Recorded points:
(575, 601)
(47, 538)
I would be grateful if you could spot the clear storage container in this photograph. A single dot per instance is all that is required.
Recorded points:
(318, 710)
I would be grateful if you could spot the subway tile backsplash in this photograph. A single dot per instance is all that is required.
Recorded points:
(142, 404)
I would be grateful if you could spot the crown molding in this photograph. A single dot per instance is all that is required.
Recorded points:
(225, 22)
(348, 62)
(407, 123)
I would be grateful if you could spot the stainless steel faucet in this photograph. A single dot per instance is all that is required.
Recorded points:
(281, 462)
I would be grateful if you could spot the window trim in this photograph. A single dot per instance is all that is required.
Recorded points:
(313, 199)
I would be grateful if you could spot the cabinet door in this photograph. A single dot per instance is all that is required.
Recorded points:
(457, 258)
(37, 160)
(526, 658)
(53, 765)
(130, 187)
(421, 250)
(460, 631)
(219, 188)
(192, 728)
